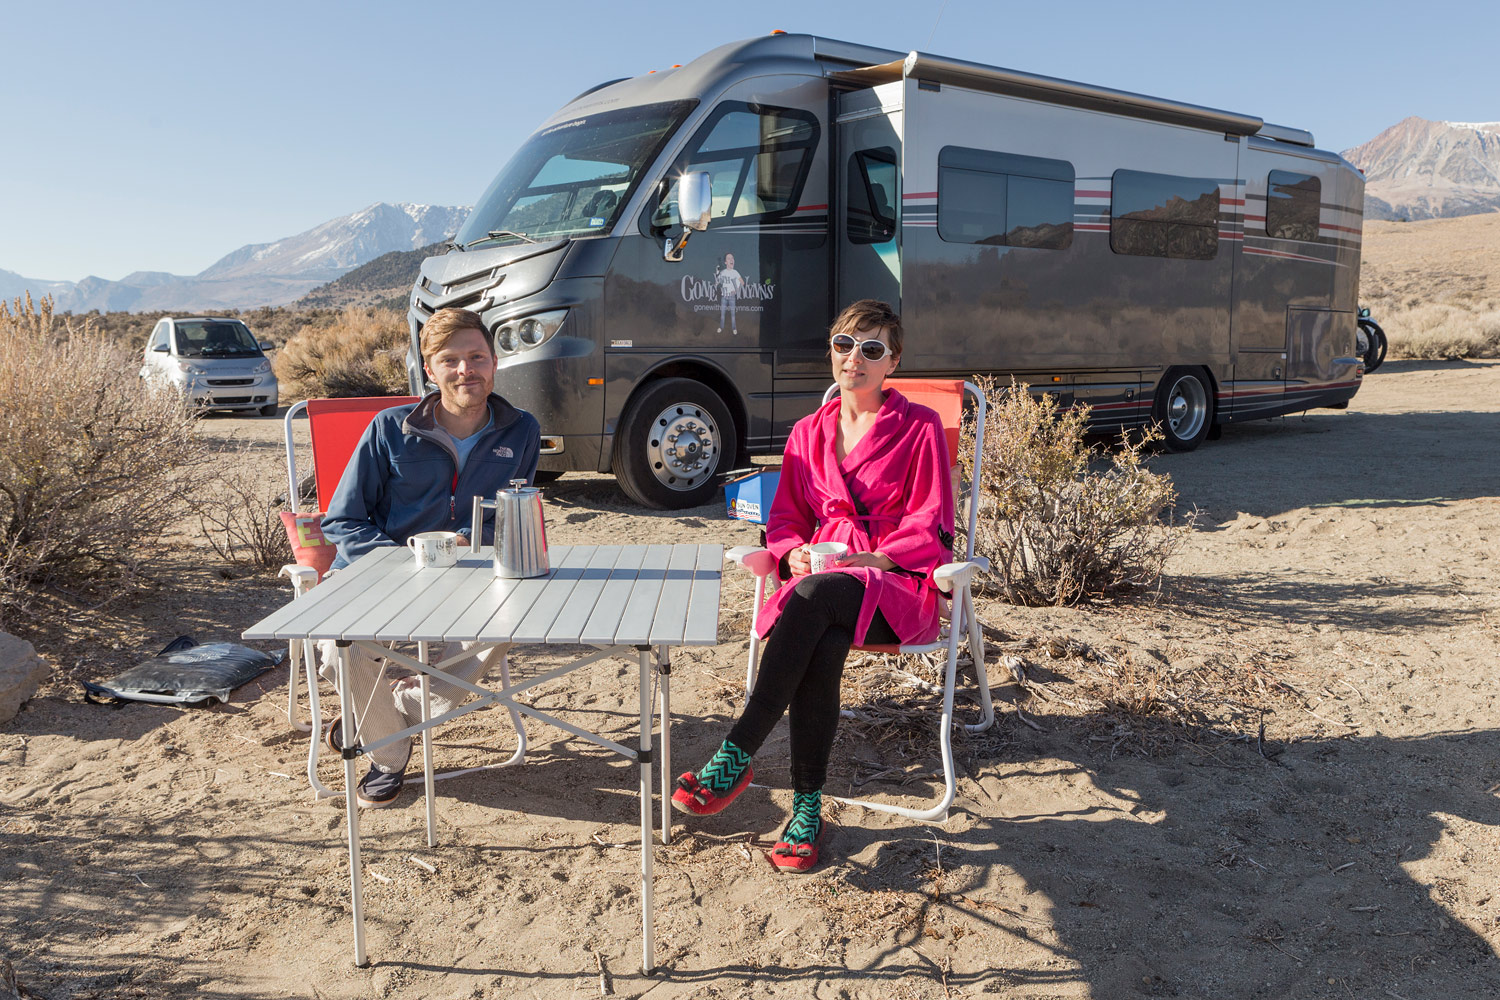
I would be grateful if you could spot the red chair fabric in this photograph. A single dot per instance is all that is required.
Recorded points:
(335, 426)
(309, 546)
(945, 395)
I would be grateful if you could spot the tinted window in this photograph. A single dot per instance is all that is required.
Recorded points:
(1292, 206)
(756, 157)
(1159, 215)
(870, 201)
(1004, 199)
(215, 338)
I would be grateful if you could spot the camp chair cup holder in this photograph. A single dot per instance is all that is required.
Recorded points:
(520, 549)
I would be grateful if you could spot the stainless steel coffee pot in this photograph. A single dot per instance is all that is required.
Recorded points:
(520, 549)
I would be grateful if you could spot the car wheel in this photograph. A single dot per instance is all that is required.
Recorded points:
(545, 476)
(674, 440)
(1184, 408)
(269, 410)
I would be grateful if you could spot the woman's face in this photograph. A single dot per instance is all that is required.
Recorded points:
(854, 371)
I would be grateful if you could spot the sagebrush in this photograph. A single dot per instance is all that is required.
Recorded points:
(240, 512)
(1061, 519)
(94, 465)
(361, 352)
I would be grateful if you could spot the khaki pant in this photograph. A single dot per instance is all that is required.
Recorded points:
(380, 711)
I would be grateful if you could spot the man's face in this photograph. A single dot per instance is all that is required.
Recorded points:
(464, 370)
(729, 260)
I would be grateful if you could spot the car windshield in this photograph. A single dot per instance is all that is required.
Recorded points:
(573, 179)
(215, 339)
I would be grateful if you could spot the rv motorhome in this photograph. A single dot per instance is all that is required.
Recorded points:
(661, 260)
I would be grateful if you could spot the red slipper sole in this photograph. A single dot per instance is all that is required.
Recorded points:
(687, 801)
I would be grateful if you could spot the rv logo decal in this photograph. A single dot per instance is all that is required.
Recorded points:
(724, 293)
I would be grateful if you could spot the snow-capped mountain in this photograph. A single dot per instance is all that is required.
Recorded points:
(258, 274)
(1420, 169)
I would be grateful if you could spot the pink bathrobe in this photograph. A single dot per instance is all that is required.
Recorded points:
(900, 472)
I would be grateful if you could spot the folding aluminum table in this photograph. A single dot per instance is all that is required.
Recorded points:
(623, 600)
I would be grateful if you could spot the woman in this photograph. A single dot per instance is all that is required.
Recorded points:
(869, 469)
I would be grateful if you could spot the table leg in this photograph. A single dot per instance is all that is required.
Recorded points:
(647, 928)
(351, 810)
(427, 781)
(664, 668)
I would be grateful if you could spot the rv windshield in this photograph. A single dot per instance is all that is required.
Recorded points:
(574, 178)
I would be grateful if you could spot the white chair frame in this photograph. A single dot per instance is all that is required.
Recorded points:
(954, 579)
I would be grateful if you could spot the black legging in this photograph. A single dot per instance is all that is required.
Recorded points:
(801, 667)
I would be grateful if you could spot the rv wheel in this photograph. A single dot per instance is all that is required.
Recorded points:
(672, 442)
(1184, 408)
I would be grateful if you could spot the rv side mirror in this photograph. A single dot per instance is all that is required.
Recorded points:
(695, 199)
(694, 209)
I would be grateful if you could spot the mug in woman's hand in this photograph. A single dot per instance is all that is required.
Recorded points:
(826, 555)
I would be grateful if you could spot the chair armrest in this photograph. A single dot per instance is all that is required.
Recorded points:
(949, 575)
(303, 577)
(757, 560)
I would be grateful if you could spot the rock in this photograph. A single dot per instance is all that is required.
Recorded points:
(21, 673)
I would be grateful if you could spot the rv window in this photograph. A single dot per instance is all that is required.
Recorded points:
(1159, 215)
(572, 179)
(1292, 206)
(870, 197)
(1004, 199)
(757, 156)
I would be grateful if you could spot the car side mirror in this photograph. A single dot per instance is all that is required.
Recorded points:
(160, 348)
(266, 345)
(695, 200)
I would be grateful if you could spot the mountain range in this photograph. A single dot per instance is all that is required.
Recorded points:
(1420, 169)
(259, 273)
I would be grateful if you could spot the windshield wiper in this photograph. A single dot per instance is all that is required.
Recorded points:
(495, 234)
(452, 245)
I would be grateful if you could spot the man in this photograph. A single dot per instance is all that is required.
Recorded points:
(730, 284)
(417, 469)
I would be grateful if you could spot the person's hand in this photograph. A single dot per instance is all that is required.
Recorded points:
(799, 561)
(875, 560)
(463, 540)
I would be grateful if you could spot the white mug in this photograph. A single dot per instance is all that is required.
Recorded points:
(434, 548)
(826, 555)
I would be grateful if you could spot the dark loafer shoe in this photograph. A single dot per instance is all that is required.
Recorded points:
(379, 788)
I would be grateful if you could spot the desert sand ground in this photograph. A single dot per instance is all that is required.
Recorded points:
(1344, 579)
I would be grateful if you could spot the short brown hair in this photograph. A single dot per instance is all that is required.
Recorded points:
(867, 314)
(444, 324)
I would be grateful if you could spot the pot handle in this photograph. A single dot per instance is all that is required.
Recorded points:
(476, 522)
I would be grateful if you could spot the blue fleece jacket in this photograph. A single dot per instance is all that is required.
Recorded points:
(403, 476)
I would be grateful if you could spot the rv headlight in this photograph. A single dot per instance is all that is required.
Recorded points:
(535, 330)
(506, 341)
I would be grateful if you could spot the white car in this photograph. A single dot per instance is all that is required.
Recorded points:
(214, 361)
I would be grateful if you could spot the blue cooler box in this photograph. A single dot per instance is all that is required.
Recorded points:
(749, 497)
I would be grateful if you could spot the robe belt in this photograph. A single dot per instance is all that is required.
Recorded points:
(835, 509)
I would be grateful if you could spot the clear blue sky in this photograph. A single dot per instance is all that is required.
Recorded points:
(161, 135)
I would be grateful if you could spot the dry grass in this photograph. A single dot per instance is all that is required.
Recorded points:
(94, 465)
(359, 353)
(1061, 520)
(1434, 286)
(240, 515)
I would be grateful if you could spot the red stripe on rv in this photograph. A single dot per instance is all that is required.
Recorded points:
(919, 194)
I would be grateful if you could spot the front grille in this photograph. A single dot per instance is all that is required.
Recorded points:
(228, 400)
(231, 381)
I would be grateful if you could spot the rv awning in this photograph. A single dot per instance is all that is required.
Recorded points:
(997, 80)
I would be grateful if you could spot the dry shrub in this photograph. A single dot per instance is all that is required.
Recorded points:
(93, 464)
(1449, 330)
(240, 513)
(1061, 520)
(360, 353)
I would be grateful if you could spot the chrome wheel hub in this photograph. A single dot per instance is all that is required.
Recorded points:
(1187, 408)
(683, 446)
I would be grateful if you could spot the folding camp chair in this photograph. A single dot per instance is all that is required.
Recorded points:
(335, 427)
(946, 397)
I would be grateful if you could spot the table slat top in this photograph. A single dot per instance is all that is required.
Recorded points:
(595, 594)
